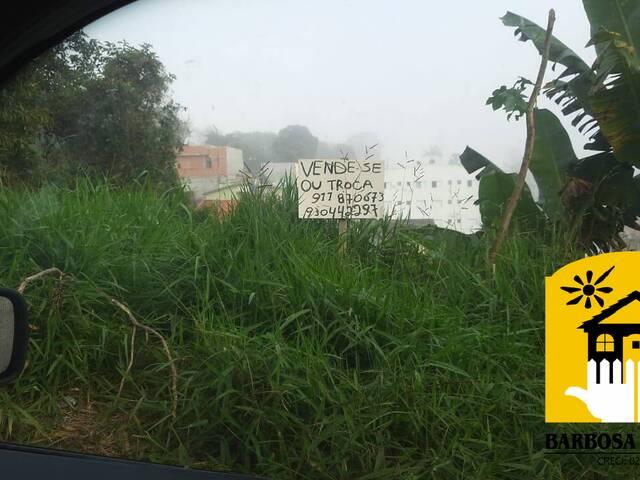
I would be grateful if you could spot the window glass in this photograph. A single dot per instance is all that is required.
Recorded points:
(181, 309)
(604, 343)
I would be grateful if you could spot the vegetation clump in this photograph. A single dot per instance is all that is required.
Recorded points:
(403, 358)
(259, 342)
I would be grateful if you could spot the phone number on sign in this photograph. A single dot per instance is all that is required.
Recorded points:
(342, 211)
(348, 197)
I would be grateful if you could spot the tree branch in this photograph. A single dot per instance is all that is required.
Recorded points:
(49, 271)
(528, 151)
(165, 346)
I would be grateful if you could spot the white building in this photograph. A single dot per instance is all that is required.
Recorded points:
(276, 171)
(444, 193)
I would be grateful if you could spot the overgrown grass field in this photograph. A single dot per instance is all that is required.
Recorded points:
(404, 358)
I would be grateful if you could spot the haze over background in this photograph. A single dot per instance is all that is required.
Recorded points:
(417, 73)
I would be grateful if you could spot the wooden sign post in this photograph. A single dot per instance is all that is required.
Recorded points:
(340, 189)
(342, 231)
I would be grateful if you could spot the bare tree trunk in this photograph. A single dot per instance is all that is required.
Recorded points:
(528, 150)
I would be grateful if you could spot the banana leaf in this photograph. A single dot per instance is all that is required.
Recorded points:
(495, 189)
(616, 96)
(493, 194)
(621, 16)
(552, 156)
(558, 51)
(571, 94)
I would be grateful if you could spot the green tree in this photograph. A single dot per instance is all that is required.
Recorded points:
(22, 117)
(257, 147)
(597, 196)
(294, 142)
(88, 106)
(261, 148)
(334, 150)
(128, 124)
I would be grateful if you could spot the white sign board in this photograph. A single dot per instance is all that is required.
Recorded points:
(340, 188)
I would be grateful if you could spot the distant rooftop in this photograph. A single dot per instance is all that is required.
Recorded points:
(194, 150)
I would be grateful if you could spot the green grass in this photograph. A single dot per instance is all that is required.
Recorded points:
(403, 359)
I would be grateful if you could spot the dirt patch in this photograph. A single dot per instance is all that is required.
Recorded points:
(84, 427)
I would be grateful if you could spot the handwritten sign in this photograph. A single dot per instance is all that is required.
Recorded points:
(340, 188)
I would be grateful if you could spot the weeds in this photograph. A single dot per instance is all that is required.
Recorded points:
(404, 358)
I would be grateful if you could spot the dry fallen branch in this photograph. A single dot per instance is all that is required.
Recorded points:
(130, 365)
(528, 150)
(165, 346)
(49, 271)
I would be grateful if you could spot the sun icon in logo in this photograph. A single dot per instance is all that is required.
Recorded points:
(588, 289)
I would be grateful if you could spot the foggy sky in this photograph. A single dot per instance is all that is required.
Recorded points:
(415, 72)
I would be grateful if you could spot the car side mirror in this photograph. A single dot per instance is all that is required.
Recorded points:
(13, 334)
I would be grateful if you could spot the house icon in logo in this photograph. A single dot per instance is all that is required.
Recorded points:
(592, 340)
(614, 334)
(613, 373)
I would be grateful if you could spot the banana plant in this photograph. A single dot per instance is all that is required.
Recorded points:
(597, 196)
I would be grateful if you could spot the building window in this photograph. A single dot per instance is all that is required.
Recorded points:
(604, 343)
(635, 345)
(449, 182)
(434, 184)
(207, 163)
(449, 202)
(459, 182)
(399, 184)
(469, 183)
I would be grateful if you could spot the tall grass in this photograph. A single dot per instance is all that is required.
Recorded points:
(403, 359)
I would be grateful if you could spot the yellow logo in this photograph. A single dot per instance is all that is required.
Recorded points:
(593, 340)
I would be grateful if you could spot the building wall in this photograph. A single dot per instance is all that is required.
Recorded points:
(200, 162)
(199, 186)
(206, 168)
(442, 193)
(207, 161)
(199, 166)
(234, 162)
(277, 171)
(223, 199)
